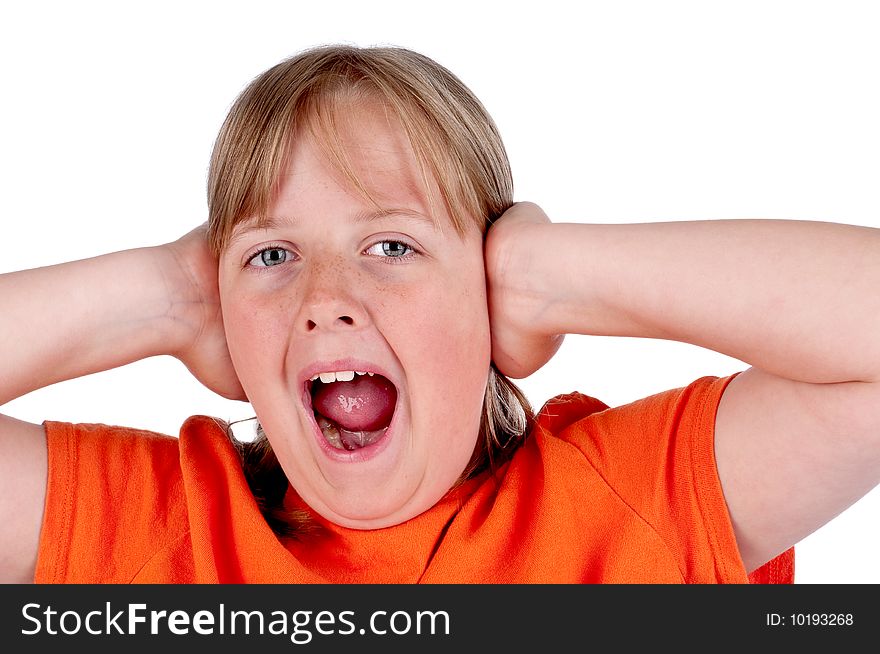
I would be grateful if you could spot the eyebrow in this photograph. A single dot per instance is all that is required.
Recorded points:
(251, 225)
(373, 216)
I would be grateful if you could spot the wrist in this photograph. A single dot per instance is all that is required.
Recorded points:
(522, 270)
(182, 320)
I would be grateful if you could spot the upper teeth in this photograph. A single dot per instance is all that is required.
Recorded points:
(339, 375)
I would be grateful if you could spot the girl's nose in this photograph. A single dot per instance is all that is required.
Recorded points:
(331, 302)
(312, 325)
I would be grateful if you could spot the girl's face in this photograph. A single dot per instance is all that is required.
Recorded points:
(333, 284)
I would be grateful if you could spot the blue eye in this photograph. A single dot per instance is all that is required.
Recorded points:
(268, 257)
(391, 249)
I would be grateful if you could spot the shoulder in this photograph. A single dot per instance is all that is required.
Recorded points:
(659, 446)
(111, 447)
(73, 439)
(656, 457)
(93, 458)
(116, 496)
(641, 429)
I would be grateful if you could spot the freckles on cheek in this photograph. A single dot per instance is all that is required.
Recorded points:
(255, 333)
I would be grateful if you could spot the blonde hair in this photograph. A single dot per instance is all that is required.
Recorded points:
(454, 140)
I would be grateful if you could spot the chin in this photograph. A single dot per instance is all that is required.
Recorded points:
(355, 513)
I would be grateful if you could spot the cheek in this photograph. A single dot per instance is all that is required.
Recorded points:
(445, 328)
(255, 333)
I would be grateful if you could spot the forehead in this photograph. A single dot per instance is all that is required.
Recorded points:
(364, 158)
(362, 143)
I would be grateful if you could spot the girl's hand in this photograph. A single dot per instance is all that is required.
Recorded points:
(517, 297)
(193, 287)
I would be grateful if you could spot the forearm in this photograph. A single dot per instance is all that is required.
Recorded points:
(797, 299)
(69, 320)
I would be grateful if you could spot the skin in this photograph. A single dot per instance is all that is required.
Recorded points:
(336, 292)
(797, 434)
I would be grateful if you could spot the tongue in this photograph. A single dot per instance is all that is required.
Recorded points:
(364, 404)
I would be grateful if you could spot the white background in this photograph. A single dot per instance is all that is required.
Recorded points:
(611, 112)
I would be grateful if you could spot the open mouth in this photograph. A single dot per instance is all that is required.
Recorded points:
(353, 409)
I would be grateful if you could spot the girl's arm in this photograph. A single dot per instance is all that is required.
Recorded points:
(74, 319)
(797, 436)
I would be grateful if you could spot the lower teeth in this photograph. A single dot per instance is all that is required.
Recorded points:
(352, 440)
(331, 432)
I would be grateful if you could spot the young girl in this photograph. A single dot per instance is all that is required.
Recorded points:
(365, 281)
